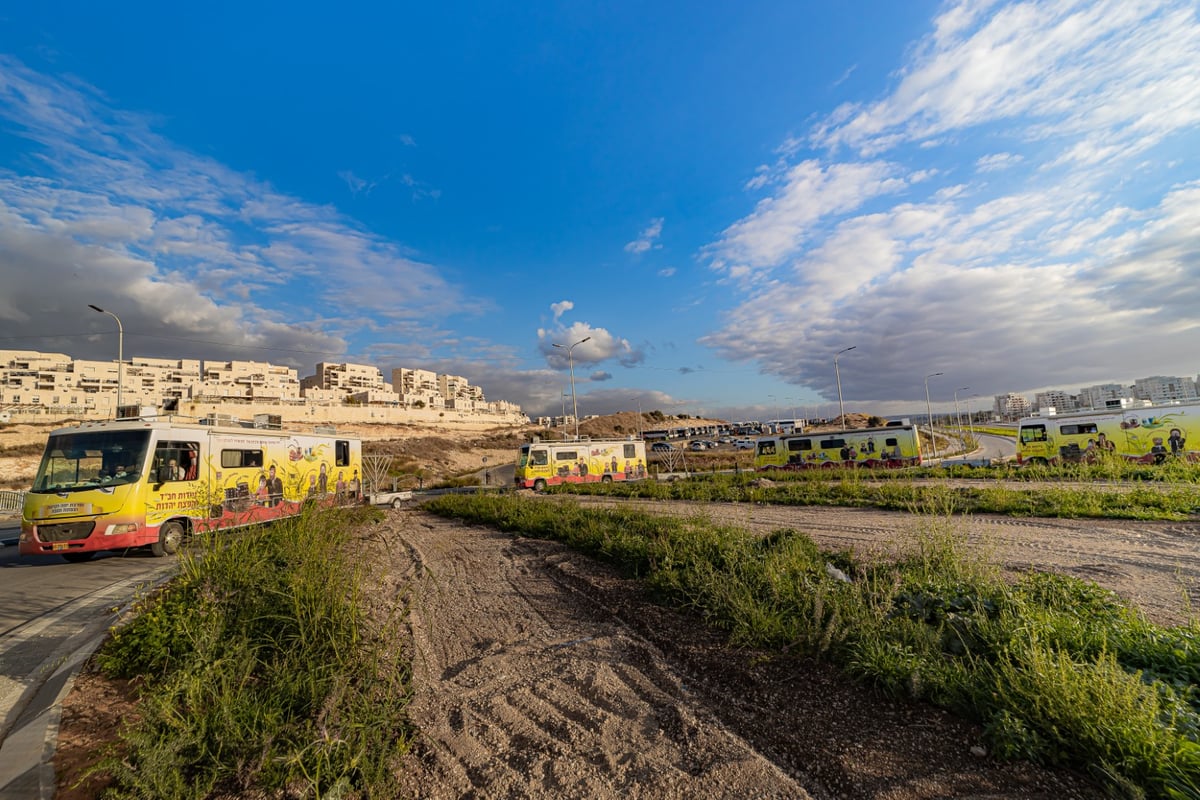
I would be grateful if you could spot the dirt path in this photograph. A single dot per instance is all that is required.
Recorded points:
(541, 674)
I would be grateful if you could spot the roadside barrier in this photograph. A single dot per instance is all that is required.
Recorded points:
(11, 500)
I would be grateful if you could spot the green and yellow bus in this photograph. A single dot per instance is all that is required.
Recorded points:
(890, 447)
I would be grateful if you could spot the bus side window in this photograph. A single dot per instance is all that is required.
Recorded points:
(539, 458)
(1033, 433)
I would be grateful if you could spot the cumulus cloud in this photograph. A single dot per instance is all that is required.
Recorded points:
(582, 343)
(648, 238)
(1066, 253)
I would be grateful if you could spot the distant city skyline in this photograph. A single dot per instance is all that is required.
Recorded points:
(1157, 389)
(1006, 193)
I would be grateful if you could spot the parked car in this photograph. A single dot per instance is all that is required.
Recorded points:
(744, 444)
(659, 447)
(698, 445)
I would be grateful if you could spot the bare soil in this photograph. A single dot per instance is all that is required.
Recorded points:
(541, 673)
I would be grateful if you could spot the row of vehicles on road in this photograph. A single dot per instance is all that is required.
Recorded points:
(152, 482)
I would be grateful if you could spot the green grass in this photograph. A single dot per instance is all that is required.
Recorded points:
(1058, 670)
(903, 493)
(261, 671)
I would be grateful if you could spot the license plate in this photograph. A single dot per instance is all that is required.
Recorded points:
(58, 546)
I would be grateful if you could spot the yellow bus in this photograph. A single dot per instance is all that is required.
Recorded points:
(542, 464)
(1148, 435)
(896, 445)
(152, 482)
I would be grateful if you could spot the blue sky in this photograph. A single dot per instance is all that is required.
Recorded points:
(722, 196)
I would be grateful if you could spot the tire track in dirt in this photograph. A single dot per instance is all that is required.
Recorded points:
(524, 687)
(540, 673)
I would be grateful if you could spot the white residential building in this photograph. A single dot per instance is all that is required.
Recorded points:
(1011, 406)
(1104, 395)
(1057, 399)
(1161, 389)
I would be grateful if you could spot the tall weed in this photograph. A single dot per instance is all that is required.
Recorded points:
(257, 671)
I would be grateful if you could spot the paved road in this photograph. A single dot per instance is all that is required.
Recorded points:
(52, 615)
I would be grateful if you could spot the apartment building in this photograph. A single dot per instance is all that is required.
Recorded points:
(1162, 389)
(248, 381)
(346, 378)
(1057, 399)
(418, 386)
(1011, 406)
(55, 381)
(1104, 395)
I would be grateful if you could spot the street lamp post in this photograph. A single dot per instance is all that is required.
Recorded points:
(564, 414)
(957, 414)
(775, 405)
(837, 373)
(970, 423)
(929, 413)
(120, 352)
(571, 362)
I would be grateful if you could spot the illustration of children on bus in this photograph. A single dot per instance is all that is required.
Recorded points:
(1176, 442)
(1159, 450)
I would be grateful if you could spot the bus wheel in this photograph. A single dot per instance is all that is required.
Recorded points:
(77, 558)
(1038, 462)
(606, 479)
(170, 537)
(539, 485)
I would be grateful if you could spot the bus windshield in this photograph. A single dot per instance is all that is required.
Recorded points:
(91, 460)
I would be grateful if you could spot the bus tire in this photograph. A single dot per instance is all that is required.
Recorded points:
(539, 485)
(1038, 462)
(78, 558)
(606, 479)
(170, 538)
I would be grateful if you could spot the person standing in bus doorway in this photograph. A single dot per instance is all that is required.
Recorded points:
(274, 487)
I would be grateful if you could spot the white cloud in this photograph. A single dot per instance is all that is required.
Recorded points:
(809, 192)
(600, 346)
(561, 308)
(1062, 250)
(666, 272)
(179, 245)
(648, 238)
(997, 161)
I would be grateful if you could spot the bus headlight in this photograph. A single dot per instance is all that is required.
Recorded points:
(125, 527)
